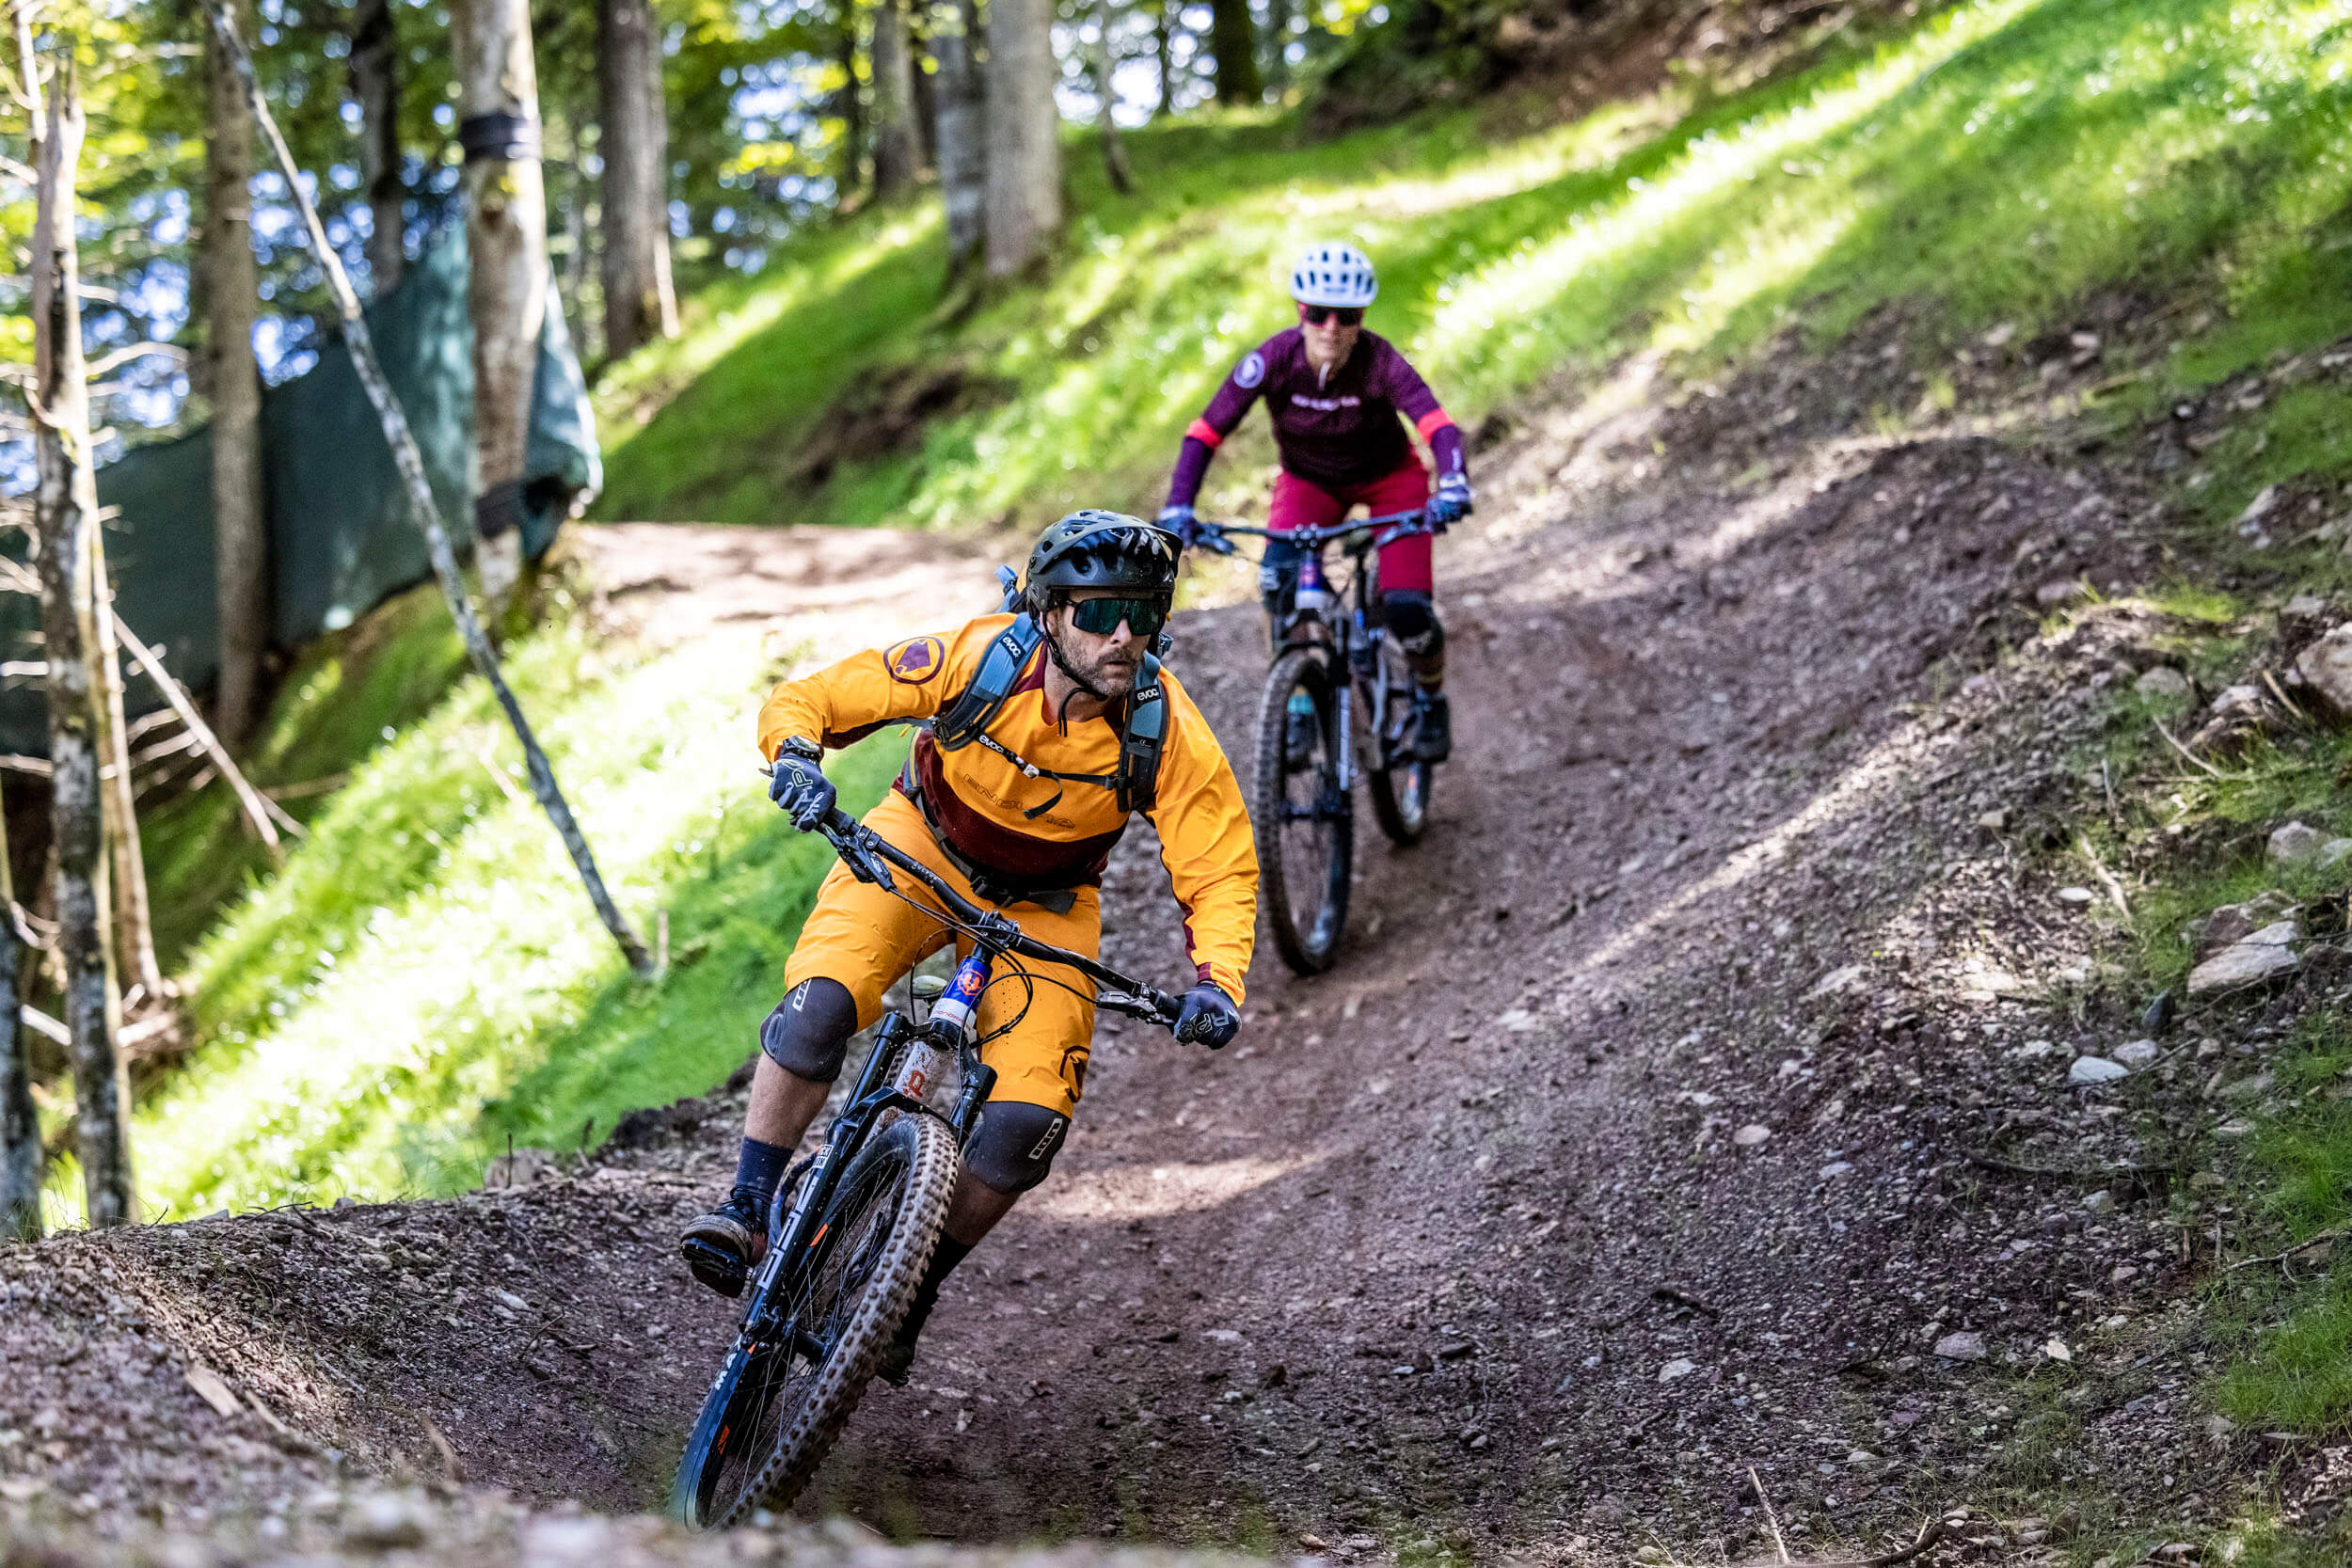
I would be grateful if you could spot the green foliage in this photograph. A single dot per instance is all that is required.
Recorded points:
(1994, 163)
(425, 971)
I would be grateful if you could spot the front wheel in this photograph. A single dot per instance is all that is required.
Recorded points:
(1306, 825)
(774, 1411)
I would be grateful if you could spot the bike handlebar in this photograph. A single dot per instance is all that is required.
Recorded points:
(868, 855)
(1388, 528)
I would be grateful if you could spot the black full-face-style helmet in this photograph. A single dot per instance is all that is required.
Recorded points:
(1100, 549)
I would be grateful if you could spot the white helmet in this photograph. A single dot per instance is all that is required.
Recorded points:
(1332, 273)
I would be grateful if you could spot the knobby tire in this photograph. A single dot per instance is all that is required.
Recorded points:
(901, 1180)
(1312, 945)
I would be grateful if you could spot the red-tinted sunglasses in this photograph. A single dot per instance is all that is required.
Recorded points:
(1347, 316)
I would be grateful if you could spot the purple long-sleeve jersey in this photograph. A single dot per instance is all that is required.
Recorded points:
(1338, 431)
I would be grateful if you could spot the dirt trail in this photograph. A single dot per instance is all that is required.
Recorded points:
(1635, 1142)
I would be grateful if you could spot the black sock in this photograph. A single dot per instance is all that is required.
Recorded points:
(945, 1257)
(760, 1167)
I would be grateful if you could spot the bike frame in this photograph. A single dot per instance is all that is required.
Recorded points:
(887, 1087)
(1354, 636)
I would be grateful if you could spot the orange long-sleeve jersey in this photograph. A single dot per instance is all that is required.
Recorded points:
(1013, 825)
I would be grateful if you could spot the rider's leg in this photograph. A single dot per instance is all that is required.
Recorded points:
(1409, 605)
(856, 942)
(1040, 1063)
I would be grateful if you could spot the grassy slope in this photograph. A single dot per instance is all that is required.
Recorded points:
(1994, 164)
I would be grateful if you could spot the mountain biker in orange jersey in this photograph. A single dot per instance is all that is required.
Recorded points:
(1019, 810)
(1334, 393)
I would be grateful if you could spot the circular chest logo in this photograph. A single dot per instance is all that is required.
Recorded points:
(1250, 371)
(915, 660)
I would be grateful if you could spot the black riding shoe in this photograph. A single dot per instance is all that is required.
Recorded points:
(897, 1362)
(1433, 726)
(721, 1246)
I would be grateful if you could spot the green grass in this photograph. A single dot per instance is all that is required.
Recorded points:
(1994, 162)
(425, 976)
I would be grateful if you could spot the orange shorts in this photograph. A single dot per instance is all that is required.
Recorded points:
(865, 939)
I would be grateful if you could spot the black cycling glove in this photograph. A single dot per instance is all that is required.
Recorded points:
(799, 785)
(1209, 1017)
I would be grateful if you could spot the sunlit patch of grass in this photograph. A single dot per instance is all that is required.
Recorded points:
(429, 948)
(1994, 162)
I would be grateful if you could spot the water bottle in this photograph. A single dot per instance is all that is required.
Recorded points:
(1311, 598)
(961, 999)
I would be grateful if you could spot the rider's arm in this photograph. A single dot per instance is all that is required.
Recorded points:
(1216, 422)
(1205, 843)
(1416, 402)
(844, 702)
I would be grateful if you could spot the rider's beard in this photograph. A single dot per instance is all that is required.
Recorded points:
(1112, 674)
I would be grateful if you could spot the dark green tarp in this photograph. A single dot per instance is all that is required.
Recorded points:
(341, 538)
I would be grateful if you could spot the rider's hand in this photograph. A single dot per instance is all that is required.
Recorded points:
(1451, 503)
(1182, 523)
(800, 787)
(1209, 1017)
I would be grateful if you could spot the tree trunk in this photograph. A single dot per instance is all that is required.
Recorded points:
(639, 302)
(410, 460)
(1105, 65)
(1278, 36)
(897, 161)
(21, 1155)
(240, 528)
(925, 92)
(852, 106)
(507, 295)
(66, 524)
(962, 133)
(375, 82)
(21, 1152)
(1163, 44)
(134, 932)
(1233, 41)
(1023, 158)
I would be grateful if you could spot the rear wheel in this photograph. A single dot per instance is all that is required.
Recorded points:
(775, 1410)
(1304, 821)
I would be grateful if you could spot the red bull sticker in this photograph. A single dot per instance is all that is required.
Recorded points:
(916, 661)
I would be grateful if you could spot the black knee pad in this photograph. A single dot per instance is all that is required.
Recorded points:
(1413, 618)
(1015, 1145)
(809, 1032)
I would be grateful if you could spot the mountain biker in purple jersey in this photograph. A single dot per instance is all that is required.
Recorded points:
(1336, 393)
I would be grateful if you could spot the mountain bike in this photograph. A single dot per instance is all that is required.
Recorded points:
(1335, 664)
(853, 1227)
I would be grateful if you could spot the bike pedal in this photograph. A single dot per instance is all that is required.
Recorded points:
(721, 1270)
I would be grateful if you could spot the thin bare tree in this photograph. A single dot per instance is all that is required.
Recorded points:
(375, 82)
(1233, 43)
(897, 147)
(410, 460)
(134, 926)
(1106, 97)
(506, 292)
(231, 295)
(633, 138)
(64, 526)
(1024, 211)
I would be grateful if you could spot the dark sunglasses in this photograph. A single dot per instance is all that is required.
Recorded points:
(1347, 315)
(1101, 617)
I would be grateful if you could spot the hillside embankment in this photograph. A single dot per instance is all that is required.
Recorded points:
(1693, 1120)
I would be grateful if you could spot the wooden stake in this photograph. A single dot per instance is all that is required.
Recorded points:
(410, 461)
